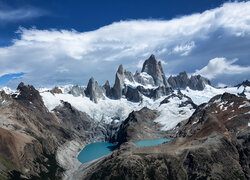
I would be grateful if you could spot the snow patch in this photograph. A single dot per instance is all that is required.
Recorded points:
(204, 96)
(171, 114)
(195, 122)
(246, 104)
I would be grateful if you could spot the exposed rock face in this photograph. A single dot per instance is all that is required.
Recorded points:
(155, 93)
(77, 91)
(198, 82)
(32, 133)
(152, 67)
(244, 83)
(182, 81)
(180, 96)
(179, 81)
(213, 144)
(94, 91)
(119, 83)
(133, 94)
(139, 125)
(107, 88)
(56, 90)
(81, 123)
(134, 86)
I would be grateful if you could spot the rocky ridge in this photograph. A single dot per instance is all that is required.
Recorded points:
(182, 81)
(151, 82)
(31, 135)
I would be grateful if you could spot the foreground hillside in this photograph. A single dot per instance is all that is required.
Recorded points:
(213, 143)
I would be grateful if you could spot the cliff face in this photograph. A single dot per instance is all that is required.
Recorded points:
(152, 67)
(181, 81)
(29, 135)
(212, 143)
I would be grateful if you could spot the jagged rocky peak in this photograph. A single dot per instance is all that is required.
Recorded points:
(179, 81)
(244, 84)
(107, 88)
(119, 83)
(154, 68)
(27, 94)
(120, 69)
(195, 82)
(94, 91)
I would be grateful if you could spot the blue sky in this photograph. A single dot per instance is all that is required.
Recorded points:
(50, 42)
(87, 15)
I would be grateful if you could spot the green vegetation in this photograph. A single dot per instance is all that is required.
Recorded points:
(7, 164)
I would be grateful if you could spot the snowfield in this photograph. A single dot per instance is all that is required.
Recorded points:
(108, 110)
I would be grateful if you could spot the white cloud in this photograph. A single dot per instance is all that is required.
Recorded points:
(20, 14)
(62, 56)
(184, 49)
(220, 66)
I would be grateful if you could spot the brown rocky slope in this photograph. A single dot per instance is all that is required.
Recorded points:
(30, 135)
(214, 143)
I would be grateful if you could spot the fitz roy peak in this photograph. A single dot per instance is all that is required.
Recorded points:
(151, 82)
(152, 67)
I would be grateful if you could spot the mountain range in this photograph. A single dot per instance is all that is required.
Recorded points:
(43, 130)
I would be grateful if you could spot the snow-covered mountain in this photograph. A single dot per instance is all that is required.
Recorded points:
(131, 92)
(135, 91)
(72, 116)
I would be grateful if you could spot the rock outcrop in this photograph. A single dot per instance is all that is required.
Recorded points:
(187, 100)
(29, 136)
(197, 82)
(154, 68)
(119, 83)
(81, 123)
(107, 88)
(181, 81)
(56, 90)
(94, 91)
(139, 125)
(245, 83)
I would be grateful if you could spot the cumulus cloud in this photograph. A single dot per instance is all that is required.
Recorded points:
(219, 66)
(49, 57)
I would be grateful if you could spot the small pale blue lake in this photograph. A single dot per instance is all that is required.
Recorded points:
(151, 142)
(94, 151)
(98, 149)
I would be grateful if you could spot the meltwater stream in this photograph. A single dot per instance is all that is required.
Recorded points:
(98, 149)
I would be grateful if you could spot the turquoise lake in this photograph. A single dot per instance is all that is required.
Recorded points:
(151, 142)
(94, 151)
